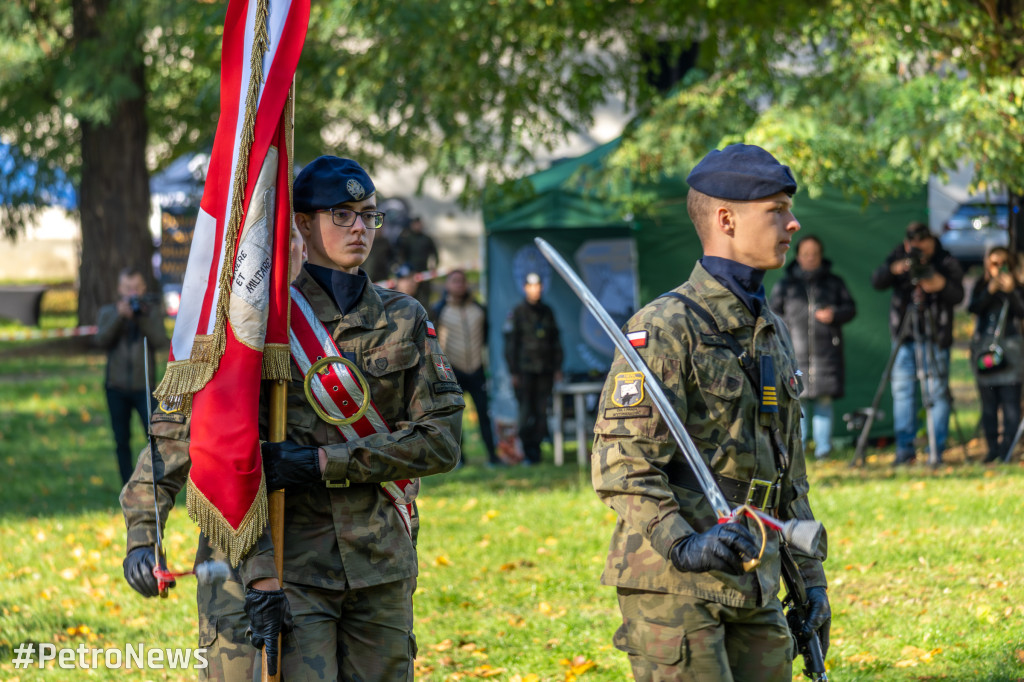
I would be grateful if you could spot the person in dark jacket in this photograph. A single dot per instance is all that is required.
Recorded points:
(418, 250)
(815, 303)
(919, 271)
(533, 352)
(997, 301)
(121, 327)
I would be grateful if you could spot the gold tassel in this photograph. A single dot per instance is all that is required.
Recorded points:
(277, 363)
(234, 542)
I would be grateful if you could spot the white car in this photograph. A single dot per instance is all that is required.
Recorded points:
(974, 228)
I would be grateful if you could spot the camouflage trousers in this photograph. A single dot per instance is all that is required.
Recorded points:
(675, 637)
(222, 626)
(349, 635)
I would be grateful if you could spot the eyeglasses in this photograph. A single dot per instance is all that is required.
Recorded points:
(343, 217)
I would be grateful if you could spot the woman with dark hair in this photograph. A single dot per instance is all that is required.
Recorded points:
(815, 303)
(996, 352)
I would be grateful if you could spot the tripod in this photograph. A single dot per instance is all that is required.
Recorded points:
(917, 325)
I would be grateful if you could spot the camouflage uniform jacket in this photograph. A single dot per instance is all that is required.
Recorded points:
(637, 462)
(352, 537)
(170, 431)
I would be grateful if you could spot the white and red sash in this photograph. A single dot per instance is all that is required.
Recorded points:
(337, 391)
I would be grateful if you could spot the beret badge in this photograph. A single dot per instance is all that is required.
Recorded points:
(355, 189)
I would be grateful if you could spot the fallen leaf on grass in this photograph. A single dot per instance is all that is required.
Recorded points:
(577, 666)
(443, 645)
(862, 657)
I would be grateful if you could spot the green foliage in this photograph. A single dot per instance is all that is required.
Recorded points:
(872, 97)
(869, 97)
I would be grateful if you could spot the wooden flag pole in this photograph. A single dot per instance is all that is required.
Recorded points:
(275, 501)
(278, 426)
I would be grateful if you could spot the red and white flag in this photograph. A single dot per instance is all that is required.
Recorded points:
(232, 326)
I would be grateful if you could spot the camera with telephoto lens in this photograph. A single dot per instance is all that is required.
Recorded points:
(920, 265)
(137, 304)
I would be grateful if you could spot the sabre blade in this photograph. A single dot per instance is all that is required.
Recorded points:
(675, 425)
(161, 559)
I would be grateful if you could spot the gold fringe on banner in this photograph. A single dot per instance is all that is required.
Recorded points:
(277, 361)
(234, 542)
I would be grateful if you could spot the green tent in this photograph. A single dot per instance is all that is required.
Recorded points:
(662, 247)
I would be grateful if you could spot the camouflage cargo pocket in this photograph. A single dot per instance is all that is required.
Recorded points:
(720, 380)
(207, 631)
(662, 644)
(385, 367)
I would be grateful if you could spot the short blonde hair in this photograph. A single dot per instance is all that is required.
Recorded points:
(700, 208)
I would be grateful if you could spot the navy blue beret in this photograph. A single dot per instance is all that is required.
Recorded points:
(741, 172)
(328, 181)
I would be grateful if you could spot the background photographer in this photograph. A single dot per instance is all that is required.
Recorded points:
(920, 271)
(122, 327)
(997, 356)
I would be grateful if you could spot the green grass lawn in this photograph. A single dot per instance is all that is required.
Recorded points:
(924, 576)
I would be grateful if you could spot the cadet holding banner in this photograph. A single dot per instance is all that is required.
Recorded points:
(350, 519)
(689, 611)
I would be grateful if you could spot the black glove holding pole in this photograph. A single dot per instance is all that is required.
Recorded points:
(138, 571)
(287, 464)
(819, 617)
(723, 547)
(269, 616)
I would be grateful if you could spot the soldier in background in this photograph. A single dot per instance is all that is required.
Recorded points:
(222, 619)
(533, 353)
(688, 609)
(417, 249)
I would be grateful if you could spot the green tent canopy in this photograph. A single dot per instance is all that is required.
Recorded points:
(559, 205)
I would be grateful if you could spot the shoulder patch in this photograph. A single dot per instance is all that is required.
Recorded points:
(637, 339)
(431, 331)
(629, 389)
(443, 368)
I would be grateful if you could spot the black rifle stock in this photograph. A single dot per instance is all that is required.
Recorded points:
(796, 615)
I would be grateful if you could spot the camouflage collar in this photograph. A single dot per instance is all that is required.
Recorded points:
(368, 313)
(727, 309)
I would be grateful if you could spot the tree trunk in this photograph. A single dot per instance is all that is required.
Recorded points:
(114, 192)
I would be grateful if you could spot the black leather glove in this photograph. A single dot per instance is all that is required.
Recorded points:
(724, 547)
(287, 464)
(138, 571)
(269, 616)
(819, 617)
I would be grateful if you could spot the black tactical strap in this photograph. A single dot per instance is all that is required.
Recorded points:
(746, 362)
(749, 368)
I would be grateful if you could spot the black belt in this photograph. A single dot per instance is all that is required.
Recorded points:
(757, 492)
